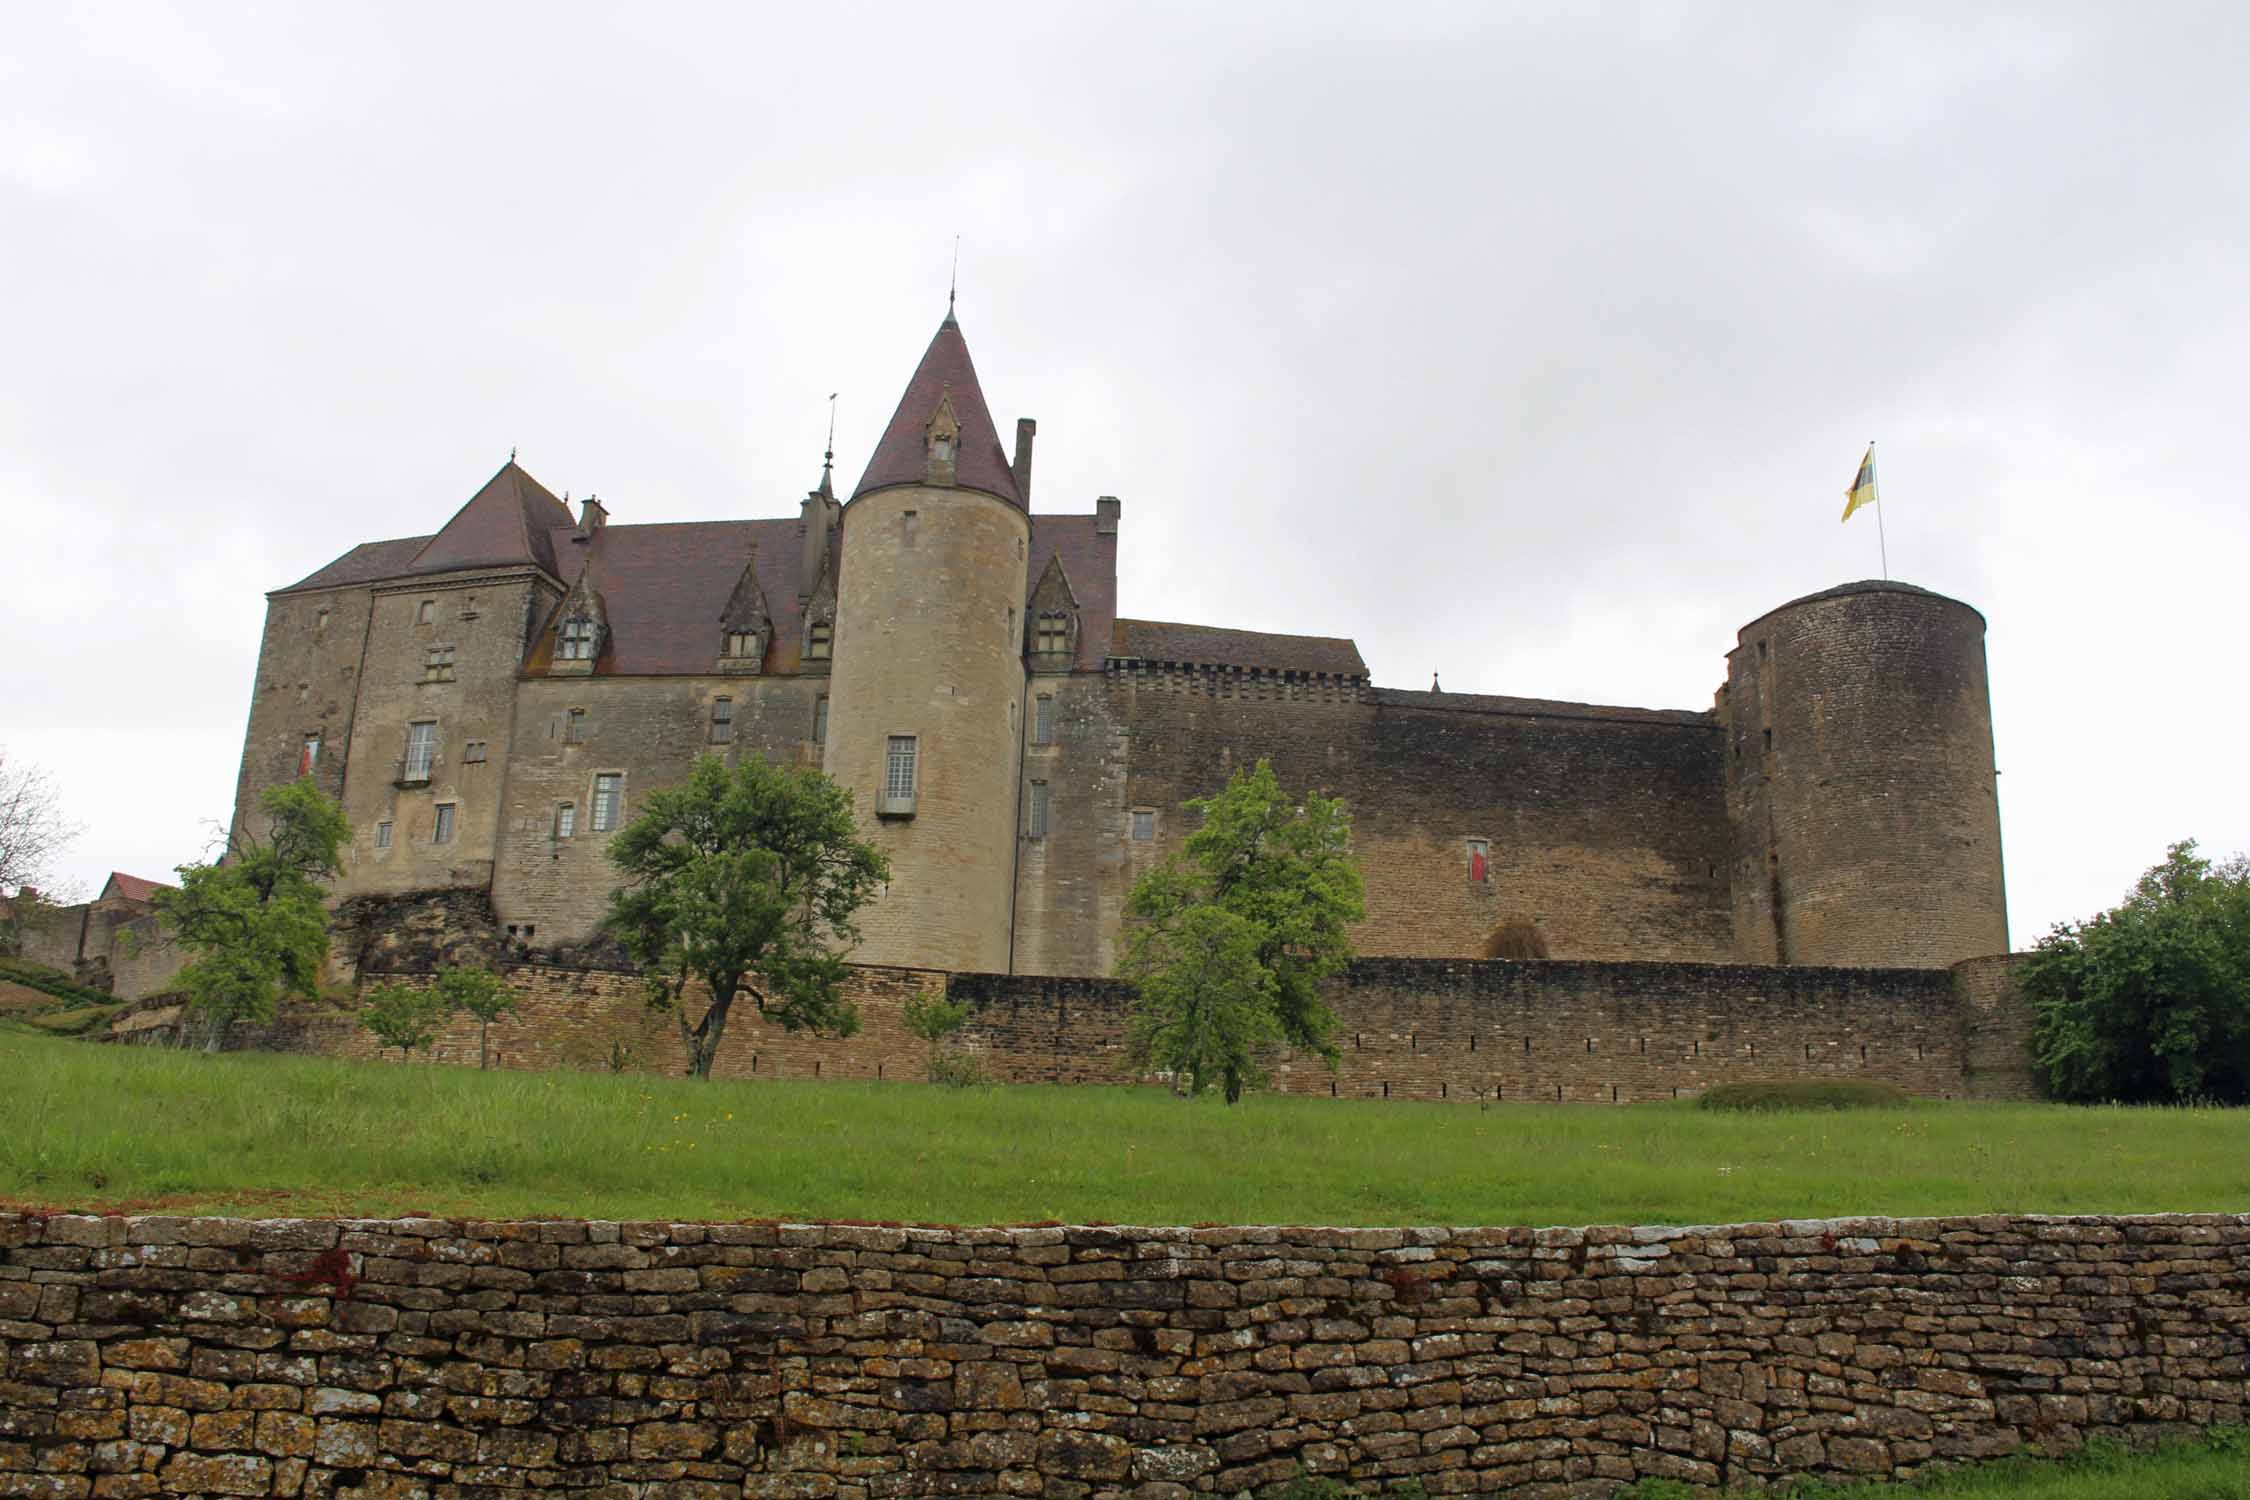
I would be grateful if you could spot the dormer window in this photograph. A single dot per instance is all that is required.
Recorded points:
(1053, 637)
(819, 637)
(745, 645)
(941, 447)
(576, 640)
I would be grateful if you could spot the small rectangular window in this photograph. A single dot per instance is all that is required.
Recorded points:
(425, 612)
(722, 720)
(819, 639)
(1144, 825)
(1038, 820)
(1054, 634)
(745, 644)
(1043, 720)
(566, 819)
(383, 834)
(472, 753)
(443, 833)
(308, 755)
(574, 727)
(575, 641)
(898, 776)
(1769, 741)
(820, 720)
(437, 664)
(320, 624)
(1479, 854)
(609, 795)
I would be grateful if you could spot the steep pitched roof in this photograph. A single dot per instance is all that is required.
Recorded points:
(902, 456)
(1089, 556)
(507, 522)
(664, 587)
(130, 887)
(1210, 646)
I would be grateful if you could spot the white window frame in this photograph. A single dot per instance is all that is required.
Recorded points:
(566, 820)
(383, 834)
(896, 797)
(420, 768)
(445, 822)
(607, 817)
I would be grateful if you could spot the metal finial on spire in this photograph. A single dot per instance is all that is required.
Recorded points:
(511, 453)
(1433, 683)
(953, 282)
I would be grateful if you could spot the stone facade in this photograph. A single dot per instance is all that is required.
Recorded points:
(414, 1358)
(1466, 1031)
(491, 701)
(113, 942)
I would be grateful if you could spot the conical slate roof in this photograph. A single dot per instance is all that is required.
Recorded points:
(902, 457)
(505, 523)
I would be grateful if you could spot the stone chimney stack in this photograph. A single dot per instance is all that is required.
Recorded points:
(1106, 510)
(592, 516)
(1026, 430)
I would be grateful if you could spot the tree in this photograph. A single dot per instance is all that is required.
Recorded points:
(482, 994)
(255, 921)
(405, 1016)
(32, 828)
(745, 880)
(2150, 1001)
(935, 1019)
(1283, 871)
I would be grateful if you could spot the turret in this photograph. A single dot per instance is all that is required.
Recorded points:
(927, 677)
(1860, 783)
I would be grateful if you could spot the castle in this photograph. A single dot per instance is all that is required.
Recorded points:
(489, 701)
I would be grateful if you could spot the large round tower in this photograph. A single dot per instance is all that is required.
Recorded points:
(1860, 782)
(927, 675)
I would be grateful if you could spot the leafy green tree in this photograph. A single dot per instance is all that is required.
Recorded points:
(483, 995)
(1283, 871)
(935, 1019)
(405, 1016)
(745, 881)
(255, 921)
(2150, 1001)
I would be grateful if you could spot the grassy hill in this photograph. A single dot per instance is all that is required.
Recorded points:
(104, 1127)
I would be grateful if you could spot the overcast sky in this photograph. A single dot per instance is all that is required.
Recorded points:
(1523, 343)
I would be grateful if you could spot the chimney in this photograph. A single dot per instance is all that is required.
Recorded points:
(1026, 430)
(1106, 510)
(592, 516)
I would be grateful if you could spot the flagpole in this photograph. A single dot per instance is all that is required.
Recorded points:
(1875, 482)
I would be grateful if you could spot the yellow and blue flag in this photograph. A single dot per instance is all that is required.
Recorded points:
(1862, 491)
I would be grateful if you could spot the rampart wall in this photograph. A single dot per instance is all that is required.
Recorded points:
(1409, 1029)
(412, 1358)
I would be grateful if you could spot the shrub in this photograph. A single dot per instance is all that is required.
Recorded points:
(1806, 1093)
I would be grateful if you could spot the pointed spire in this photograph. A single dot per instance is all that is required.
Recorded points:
(945, 379)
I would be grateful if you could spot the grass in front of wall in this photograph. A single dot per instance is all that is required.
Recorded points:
(2216, 1468)
(89, 1126)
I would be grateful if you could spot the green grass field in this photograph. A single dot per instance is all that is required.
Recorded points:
(2217, 1468)
(93, 1126)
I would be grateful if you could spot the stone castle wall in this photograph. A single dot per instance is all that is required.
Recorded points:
(1463, 1030)
(402, 1359)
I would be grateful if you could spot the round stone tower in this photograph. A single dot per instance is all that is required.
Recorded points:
(1860, 783)
(927, 676)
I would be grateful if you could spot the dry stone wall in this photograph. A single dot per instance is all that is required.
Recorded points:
(1431, 1029)
(422, 1358)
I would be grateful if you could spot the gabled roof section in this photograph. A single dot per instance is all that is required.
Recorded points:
(507, 523)
(902, 457)
(664, 586)
(124, 887)
(1209, 646)
(1089, 555)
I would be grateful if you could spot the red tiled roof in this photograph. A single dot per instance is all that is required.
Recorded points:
(131, 887)
(902, 457)
(1090, 558)
(365, 563)
(507, 522)
(1210, 646)
(665, 586)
